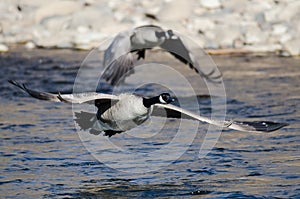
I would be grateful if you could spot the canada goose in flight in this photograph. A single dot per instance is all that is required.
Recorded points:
(119, 56)
(121, 113)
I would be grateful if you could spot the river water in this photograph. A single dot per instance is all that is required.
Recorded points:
(43, 156)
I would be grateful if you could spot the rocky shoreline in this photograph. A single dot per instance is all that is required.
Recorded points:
(221, 26)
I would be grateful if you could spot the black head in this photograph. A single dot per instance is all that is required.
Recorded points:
(160, 34)
(165, 98)
(169, 34)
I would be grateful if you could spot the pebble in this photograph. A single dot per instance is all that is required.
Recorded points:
(284, 38)
(88, 37)
(56, 8)
(203, 24)
(178, 10)
(293, 47)
(290, 11)
(210, 4)
(259, 26)
(279, 29)
(30, 45)
(226, 39)
(3, 48)
(254, 35)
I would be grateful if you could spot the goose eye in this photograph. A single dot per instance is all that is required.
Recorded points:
(165, 97)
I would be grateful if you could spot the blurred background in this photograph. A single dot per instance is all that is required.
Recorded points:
(250, 25)
(42, 155)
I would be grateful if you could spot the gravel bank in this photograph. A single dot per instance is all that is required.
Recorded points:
(250, 25)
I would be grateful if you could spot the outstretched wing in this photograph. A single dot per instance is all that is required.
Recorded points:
(118, 60)
(76, 98)
(177, 112)
(175, 46)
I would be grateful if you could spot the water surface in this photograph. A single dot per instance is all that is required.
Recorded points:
(42, 155)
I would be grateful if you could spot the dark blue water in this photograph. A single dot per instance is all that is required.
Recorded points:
(42, 155)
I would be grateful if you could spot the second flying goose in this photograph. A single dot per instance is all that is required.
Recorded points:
(119, 56)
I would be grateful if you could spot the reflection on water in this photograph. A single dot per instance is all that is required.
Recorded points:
(42, 155)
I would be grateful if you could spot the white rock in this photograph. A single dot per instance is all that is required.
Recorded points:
(82, 29)
(9, 39)
(125, 11)
(199, 10)
(273, 14)
(254, 35)
(202, 24)
(152, 7)
(290, 11)
(40, 32)
(227, 18)
(254, 7)
(284, 38)
(177, 10)
(293, 47)
(64, 44)
(12, 28)
(226, 35)
(279, 29)
(46, 42)
(90, 46)
(260, 19)
(24, 36)
(3, 48)
(210, 34)
(210, 4)
(30, 45)
(109, 30)
(48, 39)
(56, 7)
(57, 23)
(237, 6)
(92, 18)
(32, 3)
(88, 37)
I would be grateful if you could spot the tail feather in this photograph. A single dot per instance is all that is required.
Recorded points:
(85, 120)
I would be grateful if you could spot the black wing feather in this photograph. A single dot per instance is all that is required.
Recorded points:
(176, 47)
(264, 126)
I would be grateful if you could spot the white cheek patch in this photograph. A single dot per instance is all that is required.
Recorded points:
(171, 36)
(168, 36)
(162, 100)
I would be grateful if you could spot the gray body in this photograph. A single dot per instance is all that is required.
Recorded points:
(129, 112)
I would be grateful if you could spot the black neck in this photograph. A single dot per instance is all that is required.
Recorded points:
(150, 101)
